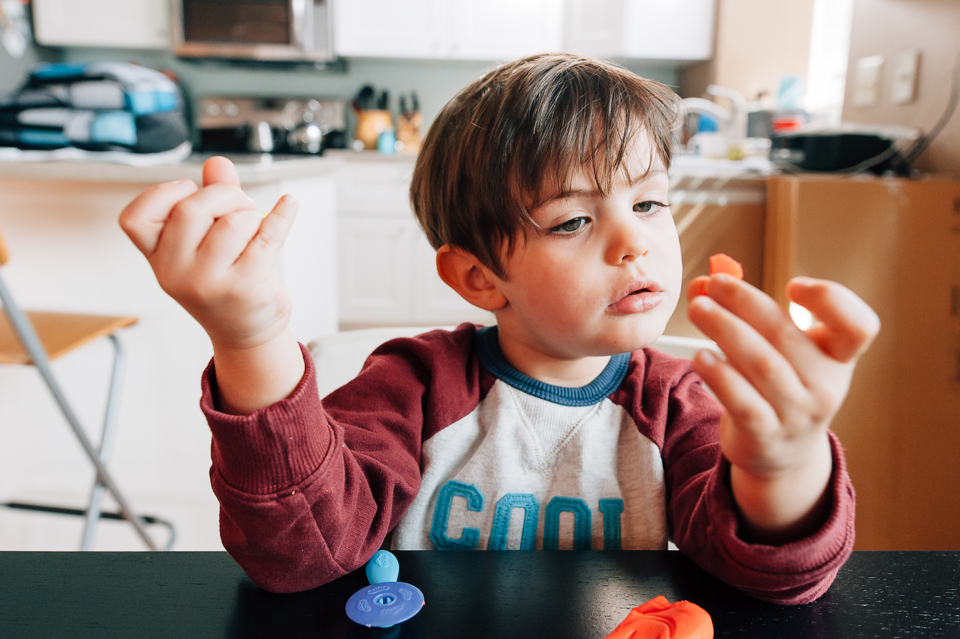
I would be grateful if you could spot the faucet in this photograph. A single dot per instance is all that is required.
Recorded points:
(733, 125)
(738, 110)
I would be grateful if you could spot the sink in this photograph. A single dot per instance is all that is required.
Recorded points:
(695, 165)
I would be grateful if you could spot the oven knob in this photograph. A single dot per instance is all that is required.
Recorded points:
(212, 109)
(231, 109)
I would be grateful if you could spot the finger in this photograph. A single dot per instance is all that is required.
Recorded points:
(263, 248)
(847, 324)
(751, 354)
(144, 217)
(227, 238)
(747, 407)
(192, 218)
(769, 319)
(696, 287)
(217, 170)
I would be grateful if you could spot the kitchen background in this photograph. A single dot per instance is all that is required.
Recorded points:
(68, 253)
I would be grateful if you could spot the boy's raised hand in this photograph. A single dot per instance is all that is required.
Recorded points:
(215, 255)
(781, 388)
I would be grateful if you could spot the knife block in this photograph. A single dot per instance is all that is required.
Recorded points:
(409, 130)
(370, 124)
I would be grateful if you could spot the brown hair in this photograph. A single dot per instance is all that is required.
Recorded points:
(516, 136)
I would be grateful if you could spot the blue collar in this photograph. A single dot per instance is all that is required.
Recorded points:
(491, 357)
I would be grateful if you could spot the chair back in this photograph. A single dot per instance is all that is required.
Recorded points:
(340, 356)
(3, 250)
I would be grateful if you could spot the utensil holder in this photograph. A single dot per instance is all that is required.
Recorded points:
(370, 124)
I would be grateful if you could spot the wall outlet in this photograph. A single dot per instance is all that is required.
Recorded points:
(866, 82)
(903, 88)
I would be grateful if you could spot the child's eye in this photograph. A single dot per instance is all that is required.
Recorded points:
(649, 207)
(570, 226)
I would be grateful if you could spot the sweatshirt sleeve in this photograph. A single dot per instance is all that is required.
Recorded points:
(703, 515)
(309, 489)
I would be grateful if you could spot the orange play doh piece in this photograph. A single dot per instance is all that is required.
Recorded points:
(722, 263)
(659, 619)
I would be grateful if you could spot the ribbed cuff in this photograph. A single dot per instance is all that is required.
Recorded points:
(273, 448)
(774, 569)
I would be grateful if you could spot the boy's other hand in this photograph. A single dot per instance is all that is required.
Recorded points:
(215, 254)
(781, 388)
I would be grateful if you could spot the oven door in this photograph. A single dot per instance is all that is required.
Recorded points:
(253, 29)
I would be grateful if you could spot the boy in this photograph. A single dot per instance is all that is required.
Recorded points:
(544, 187)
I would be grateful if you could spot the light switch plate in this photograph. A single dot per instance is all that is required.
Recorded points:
(866, 87)
(903, 88)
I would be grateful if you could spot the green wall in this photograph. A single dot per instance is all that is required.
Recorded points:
(435, 81)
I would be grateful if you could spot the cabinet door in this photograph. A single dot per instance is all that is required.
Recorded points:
(390, 28)
(375, 270)
(669, 29)
(504, 29)
(594, 27)
(134, 24)
(376, 187)
(434, 302)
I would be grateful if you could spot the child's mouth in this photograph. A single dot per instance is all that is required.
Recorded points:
(638, 301)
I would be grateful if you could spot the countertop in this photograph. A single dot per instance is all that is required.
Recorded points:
(252, 169)
(687, 174)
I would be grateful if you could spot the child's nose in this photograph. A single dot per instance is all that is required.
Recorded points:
(628, 239)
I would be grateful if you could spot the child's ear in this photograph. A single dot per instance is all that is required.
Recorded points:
(468, 276)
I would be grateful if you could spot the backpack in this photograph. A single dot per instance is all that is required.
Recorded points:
(97, 106)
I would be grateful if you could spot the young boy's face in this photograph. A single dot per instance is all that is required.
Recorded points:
(603, 275)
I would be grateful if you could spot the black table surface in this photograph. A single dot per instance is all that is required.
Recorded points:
(468, 594)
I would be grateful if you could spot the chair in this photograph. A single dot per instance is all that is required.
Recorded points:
(340, 356)
(37, 338)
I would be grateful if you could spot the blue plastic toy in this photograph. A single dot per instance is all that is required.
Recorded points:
(386, 601)
(383, 566)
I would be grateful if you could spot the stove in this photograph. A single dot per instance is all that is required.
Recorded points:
(289, 125)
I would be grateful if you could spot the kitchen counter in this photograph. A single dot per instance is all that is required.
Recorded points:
(687, 172)
(252, 168)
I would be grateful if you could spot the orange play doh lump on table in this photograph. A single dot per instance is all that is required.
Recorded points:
(659, 619)
(722, 263)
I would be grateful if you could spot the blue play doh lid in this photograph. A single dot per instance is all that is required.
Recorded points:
(385, 604)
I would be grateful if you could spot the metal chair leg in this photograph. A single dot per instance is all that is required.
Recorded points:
(31, 342)
(106, 442)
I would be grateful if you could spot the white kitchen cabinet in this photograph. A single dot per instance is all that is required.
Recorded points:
(504, 29)
(390, 28)
(375, 269)
(133, 24)
(387, 271)
(641, 29)
(451, 29)
(433, 301)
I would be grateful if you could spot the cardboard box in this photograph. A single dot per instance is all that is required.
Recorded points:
(896, 243)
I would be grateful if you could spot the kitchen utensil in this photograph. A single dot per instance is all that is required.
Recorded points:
(306, 138)
(260, 139)
(364, 99)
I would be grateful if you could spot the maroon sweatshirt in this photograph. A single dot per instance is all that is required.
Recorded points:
(440, 441)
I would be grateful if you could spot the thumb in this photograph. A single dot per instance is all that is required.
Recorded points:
(218, 170)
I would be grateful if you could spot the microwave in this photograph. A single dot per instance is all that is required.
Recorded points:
(269, 30)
